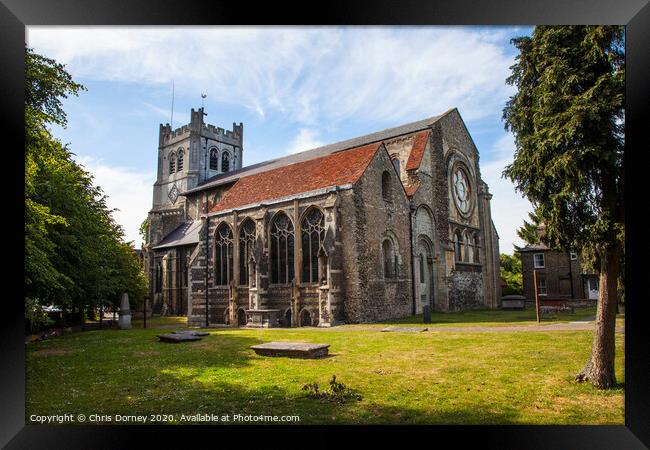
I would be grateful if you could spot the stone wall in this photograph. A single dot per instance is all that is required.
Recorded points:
(367, 220)
(465, 290)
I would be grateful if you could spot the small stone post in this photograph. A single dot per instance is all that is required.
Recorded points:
(124, 321)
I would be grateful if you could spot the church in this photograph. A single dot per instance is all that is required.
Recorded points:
(362, 230)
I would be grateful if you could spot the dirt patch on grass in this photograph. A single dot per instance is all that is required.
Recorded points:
(51, 352)
(147, 353)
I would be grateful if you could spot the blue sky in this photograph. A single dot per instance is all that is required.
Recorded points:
(294, 88)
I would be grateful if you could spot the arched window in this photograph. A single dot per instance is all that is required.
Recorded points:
(180, 160)
(467, 243)
(158, 282)
(246, 243)
(214, 159)
(223, 255)
(421, 268)
(313, 233)
(225, 162)
(172, 162)
(395, 162)
(281, 249)
(458, 246)
(476, 258)
(386, 186)
(390, 259)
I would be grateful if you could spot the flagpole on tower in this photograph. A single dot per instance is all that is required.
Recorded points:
(171, 121)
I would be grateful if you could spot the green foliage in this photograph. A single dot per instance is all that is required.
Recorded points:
(144, 229)
(35, 315)
(567, 117)
(530, 231)
(74, 254)
(337, 393)
(510, 267)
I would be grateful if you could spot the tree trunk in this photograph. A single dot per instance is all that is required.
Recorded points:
(600, 367)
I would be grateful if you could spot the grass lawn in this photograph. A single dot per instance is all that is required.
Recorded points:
(435, 377)
(496, 317)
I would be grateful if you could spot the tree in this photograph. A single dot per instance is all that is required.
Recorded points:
(510, 268)
(567, 117)
(75, 254)
(530, 231)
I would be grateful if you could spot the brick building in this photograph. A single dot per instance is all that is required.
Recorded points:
(361, 230)
(560, 276)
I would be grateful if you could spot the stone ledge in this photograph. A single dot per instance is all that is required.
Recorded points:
(292, 349)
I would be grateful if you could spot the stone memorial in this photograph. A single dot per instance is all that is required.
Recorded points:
(292, 349)
(192, 332)
(178, 337)
(405, 329)
(124, 322)
(426, 314)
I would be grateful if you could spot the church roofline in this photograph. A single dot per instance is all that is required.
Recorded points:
(325, 150)
(301, 195)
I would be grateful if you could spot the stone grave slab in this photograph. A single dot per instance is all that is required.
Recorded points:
(178, 337)
(192, 332)
(292, 349)
(405, 329)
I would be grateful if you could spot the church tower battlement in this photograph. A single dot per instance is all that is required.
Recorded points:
(189, 155)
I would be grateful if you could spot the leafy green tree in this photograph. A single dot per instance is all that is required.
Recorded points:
(510, 267)
(75, 254)
(567, 117)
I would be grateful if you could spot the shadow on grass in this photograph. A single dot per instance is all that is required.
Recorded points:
(229, 398)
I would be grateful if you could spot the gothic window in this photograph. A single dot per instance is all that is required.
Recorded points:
(313, 233)
(179, 166)
(476, 252)
(223, 255)
(225, 162)
(395, 162)
(281, 259)
(172, 162)
(246, 243)
(390, 259)
(467, 244)
(458, 246)
(158, 279)
(421, 268)
(214, 159)
(386, 186)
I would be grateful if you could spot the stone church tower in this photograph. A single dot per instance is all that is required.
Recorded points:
(187, 157)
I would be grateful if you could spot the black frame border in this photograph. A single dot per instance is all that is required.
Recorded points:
(15, 15)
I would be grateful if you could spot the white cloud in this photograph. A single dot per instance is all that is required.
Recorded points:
(509, 208)
(309, 75)
(127, 189)
(304, 140)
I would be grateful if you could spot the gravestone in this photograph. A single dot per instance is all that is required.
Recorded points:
(178, 337)
(124, 321)
(192, 332)
(426, 314)
(292, 349)
(404, 329)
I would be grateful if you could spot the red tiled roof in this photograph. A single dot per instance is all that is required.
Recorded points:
(336, 169)
(411, 188)
(417, 151)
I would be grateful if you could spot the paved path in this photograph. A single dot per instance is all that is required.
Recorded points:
(582, 325)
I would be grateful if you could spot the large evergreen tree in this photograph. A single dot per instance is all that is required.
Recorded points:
(567, 118)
